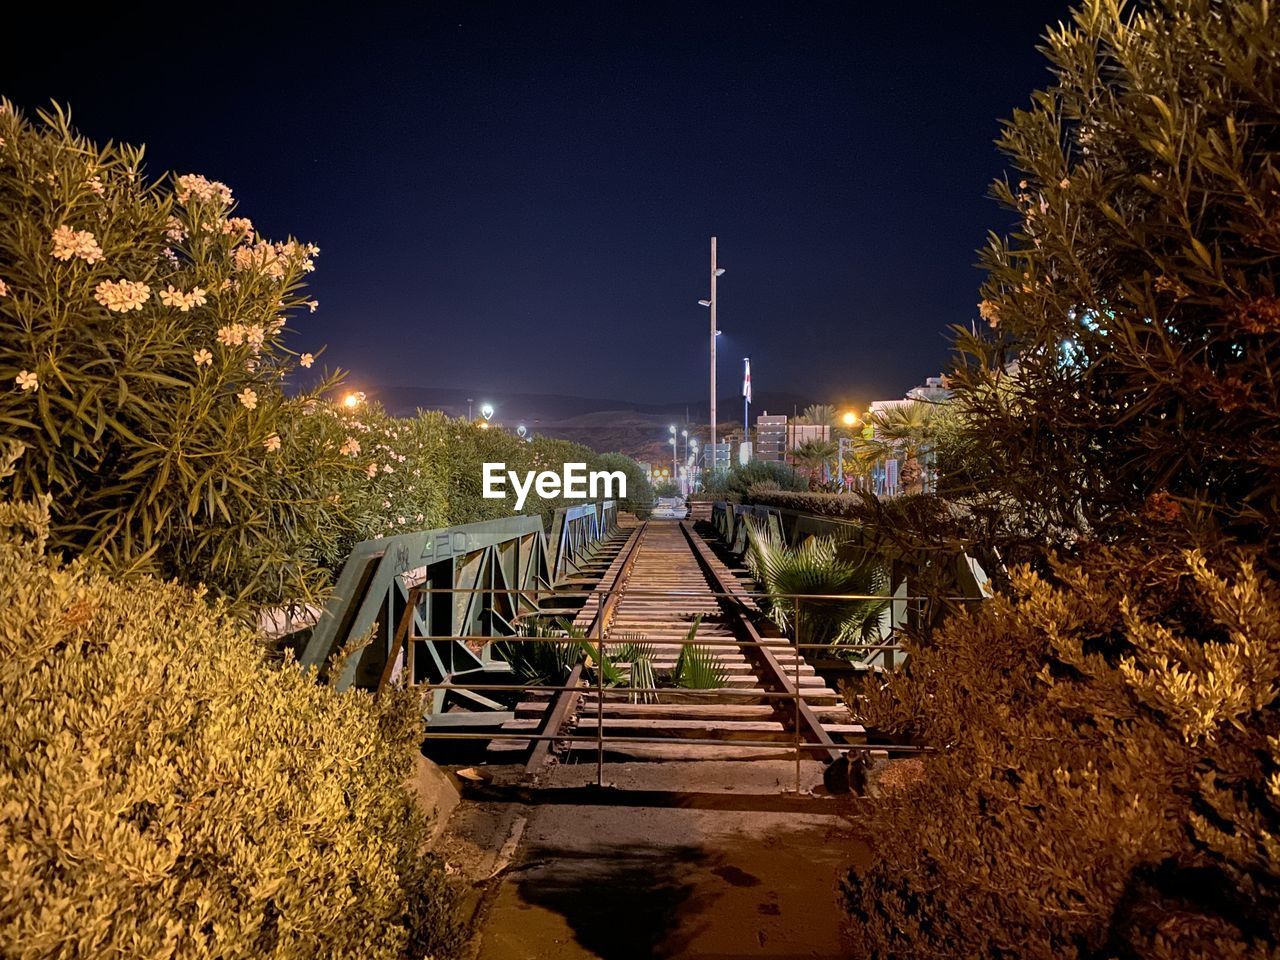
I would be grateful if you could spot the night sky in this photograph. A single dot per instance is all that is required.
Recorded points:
(521, 198)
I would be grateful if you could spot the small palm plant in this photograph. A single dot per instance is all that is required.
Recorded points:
(697, 667)
(547, 660)
(814, 568)
(637, 653)
(556, 647)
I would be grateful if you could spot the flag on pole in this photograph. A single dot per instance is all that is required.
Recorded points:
(746, 378)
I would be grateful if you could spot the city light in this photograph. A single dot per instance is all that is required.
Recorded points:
(486, 410)
(849, 419)
(353, 399)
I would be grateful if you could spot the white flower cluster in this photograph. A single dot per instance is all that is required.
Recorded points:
(172, 297)
(121, 296)
(68, 243)
(193, 186)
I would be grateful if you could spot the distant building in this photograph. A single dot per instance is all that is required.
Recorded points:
(771, 438)
(933, 391)
(776, 438)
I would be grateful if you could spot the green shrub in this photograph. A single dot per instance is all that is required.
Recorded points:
(168, 792)
(1105, 774)
(426, 471)
(1108, 778)
(640, 493)
(667, 488)
(732, 484)
(142, 365)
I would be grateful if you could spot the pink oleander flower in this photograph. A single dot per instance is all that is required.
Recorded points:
(248, 398)
(202, 357)
(193, 186)
(351, 447)
(174, 229)
(371, 470)
(272, 443)
(68, 243)
(231, 335)
(306, 360)
(173, 297)
(95, 184)
(121, 296)
(4, 292)
(27, 380)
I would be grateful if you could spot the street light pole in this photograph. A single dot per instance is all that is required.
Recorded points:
(714, 328)
(675, 447)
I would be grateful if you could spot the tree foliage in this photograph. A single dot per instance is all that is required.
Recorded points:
(1133, 344)
(1104, 774)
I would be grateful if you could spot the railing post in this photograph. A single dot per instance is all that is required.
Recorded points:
(600, 685)
(797, 696)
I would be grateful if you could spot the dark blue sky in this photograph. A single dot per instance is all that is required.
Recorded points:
(517, 198)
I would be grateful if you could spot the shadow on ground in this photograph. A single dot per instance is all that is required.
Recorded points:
(620, 903)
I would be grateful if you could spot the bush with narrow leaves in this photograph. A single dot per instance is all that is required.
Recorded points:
(1106, 774)
(143, 363)
(166, 791)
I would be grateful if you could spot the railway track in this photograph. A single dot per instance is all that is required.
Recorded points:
(770, 705)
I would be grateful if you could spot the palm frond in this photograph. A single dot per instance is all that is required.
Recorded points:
(816, 568)
(697, 667)
(637, 653)
(543, 661)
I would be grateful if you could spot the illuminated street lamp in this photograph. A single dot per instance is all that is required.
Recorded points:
(353, 399)
(848, 419)
(486, 411)
(521, 431)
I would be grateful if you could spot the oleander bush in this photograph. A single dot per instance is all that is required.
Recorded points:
(640, 493)
(1107, 775)
(143, 358)
(1104, 769)
(167, 791)
(427, 471)
(1132, 334)
(143, 364)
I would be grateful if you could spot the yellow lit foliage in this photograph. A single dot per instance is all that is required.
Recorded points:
(167, 791)
(1107, 779)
